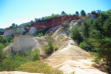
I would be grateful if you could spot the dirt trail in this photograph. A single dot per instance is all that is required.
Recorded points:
(16, 72)
(72, 59)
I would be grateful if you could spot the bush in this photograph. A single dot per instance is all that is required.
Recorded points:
(15, 60)
(40, 34)
(38, 67)
(1, 52)
(31, 54)
(35, 55)
(75, 34)
(86, 45)
(103, 48)
(5, 41)
(12, 62)
(56, 47)
(65, 25)
(49, 47)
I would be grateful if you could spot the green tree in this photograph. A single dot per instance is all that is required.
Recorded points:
(83, 13)
(75, 34)
(77, 13)
(63, 13)
(107, 27)
(103, 48)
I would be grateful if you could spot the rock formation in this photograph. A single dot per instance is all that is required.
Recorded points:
(69, 57)
(54, 21)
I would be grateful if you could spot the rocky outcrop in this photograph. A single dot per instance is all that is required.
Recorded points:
(69, 57)
(24, 43)
(54, 21)
(9, 32)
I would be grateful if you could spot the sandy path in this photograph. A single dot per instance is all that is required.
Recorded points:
(16, 72)
(72, 59)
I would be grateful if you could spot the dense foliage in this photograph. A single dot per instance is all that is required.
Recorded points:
(95, 35)
(12, 61)
(1, 31)
(3, 43)
(83, 13)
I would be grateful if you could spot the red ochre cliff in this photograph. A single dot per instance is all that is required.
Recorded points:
(56, 21)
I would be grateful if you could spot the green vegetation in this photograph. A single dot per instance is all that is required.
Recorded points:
(83, 13)
(77, 13)
(65, 25)
(13, 61)
(3, 43)
(38, 67)
(9, 63)
(95, 35)
(49, 47)
(40, 32)
(28, 61)
(1, 31)
(1, 52)
(35, 55)
(76, 34)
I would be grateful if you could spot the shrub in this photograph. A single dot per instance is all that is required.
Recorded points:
(38, 67)
(1, 52)
(49, 47)
(15, 60)
(35, 55)
(40, 34)
(5, 41)
(65, 25)
(31, 54)
(56, 47)
(103, 48)
(12, 62)
(86, 45)
(75, 34)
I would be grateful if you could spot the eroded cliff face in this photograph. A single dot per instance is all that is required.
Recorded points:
(55, 21)
(22, 43)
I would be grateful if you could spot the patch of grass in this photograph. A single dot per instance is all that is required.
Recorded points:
(11, 62)
(38, 67)
(35, 55)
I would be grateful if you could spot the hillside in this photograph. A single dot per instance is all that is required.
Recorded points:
(69, 58)
(63, 48)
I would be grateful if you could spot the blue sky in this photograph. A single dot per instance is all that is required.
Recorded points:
(21, 11)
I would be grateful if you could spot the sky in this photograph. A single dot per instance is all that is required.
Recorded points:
(22, 11)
